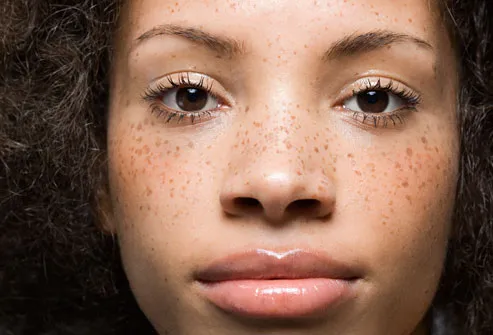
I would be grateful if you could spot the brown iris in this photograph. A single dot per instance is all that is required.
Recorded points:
(373, 101)
(191, 99)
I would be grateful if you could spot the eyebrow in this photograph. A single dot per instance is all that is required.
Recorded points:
(355, 44)
(219, 44)
(347, 46)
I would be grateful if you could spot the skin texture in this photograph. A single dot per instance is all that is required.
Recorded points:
(384, 194)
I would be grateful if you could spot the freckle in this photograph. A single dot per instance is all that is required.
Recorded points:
(138, 139)
(177, 148)
(424, 140)
(410, 20)
(357, 172)
(148, 191)
(437, 150)
(384, 223)
(350, 155)
(391, 203)
(409, 152)
(247, 109)
(397, 165)
(408, 197)
(257, 124)
(405, 184)
(316, 149)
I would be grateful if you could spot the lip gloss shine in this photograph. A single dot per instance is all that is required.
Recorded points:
(264, 283)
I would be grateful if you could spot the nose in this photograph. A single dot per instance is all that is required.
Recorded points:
(273, 174)
(278, 195)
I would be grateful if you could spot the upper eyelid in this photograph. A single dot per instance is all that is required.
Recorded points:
(178, 79)
(363, 83)
(192, 78)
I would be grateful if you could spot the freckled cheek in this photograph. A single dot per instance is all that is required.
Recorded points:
(401, 206)
(405, 194)
(156, 180)
(426, 174)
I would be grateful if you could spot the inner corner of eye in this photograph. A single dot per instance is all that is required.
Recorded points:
(350, 103)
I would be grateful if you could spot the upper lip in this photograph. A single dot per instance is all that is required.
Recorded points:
(266, 264)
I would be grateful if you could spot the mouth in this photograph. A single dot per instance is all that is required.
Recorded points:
(266, 284)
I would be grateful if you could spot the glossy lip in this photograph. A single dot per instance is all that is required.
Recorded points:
(268, 284)
(266, 264)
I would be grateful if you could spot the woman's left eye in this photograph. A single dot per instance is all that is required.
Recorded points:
(189, 99)
(374, 102)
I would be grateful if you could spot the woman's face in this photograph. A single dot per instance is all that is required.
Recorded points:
(283, 167)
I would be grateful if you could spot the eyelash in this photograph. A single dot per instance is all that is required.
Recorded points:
(410, 98)
(153, 95)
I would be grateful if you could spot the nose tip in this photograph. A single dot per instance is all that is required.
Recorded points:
(279, 197)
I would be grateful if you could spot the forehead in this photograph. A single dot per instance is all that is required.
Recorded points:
(286, 21)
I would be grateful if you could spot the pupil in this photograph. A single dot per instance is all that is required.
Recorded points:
(191, 99)
(373, 101)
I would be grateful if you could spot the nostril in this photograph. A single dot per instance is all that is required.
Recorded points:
(301, 206)
(247, 204)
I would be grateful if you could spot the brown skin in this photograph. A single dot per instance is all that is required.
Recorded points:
(282, 134)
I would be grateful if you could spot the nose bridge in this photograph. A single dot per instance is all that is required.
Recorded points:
(271, 139)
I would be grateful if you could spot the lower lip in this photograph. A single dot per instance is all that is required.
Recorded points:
(283, 298)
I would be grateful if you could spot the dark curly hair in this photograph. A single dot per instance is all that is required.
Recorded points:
(59, 274)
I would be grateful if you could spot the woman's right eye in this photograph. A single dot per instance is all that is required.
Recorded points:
(186, 97)
(190, 99)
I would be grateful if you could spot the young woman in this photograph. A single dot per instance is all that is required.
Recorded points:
(273, 167)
